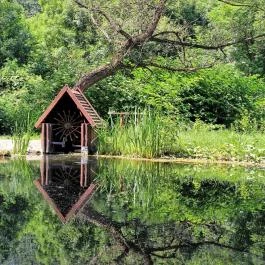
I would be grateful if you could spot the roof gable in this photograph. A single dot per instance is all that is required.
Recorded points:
(81, 103)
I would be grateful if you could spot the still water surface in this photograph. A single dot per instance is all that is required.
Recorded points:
(72, 210)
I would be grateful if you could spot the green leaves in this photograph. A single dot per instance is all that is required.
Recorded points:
(15, 40)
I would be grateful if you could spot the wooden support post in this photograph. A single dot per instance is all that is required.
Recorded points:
(84, 149)
(122, 119)
(48, 138)
(43, 138)
(85, 138)
(82, 135)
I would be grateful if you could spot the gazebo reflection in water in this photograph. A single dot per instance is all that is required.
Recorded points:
(66, 184)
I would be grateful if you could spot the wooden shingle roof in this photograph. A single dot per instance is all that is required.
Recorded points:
(81, 103)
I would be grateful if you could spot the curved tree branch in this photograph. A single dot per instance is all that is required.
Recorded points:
(203, 46)
(231, 3)
(237, 4)
(110, 68)
(175, 69)
(138, 40)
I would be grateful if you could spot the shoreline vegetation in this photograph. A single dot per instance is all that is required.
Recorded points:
(186, 160)
(158, 138)
(190, 102)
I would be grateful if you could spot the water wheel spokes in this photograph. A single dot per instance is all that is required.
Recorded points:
(67, 124)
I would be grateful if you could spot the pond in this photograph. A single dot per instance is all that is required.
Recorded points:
(78, 210)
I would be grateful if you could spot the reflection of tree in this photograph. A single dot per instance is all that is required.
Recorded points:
(159, 241)
(24, 253)
(249, 231)
(12, 218)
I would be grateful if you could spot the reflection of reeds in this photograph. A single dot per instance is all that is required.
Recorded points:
(21, 135)
(18, 176)
(146, 136)
(150, 187)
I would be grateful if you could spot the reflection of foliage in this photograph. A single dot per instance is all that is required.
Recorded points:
(24, 252)
(176, 241)
(18, 176)
(11, 221)
(144, 212)
(161, 191)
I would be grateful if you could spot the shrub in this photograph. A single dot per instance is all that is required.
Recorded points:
(220, 96)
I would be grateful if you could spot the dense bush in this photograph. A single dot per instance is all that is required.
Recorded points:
(221, 96)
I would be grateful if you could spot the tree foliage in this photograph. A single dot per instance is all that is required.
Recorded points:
(49, 44)
(15, 40)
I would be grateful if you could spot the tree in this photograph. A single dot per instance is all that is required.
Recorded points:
(15, 40)
(146, 34)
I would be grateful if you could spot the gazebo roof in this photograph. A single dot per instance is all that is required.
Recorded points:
(81, 103)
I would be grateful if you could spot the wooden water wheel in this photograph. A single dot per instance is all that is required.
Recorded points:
(67, 125)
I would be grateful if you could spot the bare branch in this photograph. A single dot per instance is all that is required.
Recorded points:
(166, 32)
(205, 47)
(197, 244)
(175, 69)
(111, 21)
(93, 20)
(147, 34)
(113, 24)
(97, 26)
(235, 3)
(81, 4)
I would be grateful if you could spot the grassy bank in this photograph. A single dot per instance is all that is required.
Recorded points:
(156, 136)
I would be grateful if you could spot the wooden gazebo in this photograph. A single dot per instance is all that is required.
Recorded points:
(69, 123)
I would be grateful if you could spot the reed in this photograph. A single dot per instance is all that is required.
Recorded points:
(156, 135)
(144, 136)
(22, 133)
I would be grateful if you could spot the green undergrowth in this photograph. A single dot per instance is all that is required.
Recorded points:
(21, 135)
(203, 141)
(155, 136)
(146, 135)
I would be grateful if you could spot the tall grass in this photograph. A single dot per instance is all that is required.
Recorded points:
(22, 133)
(155, 135)
(144, 136)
